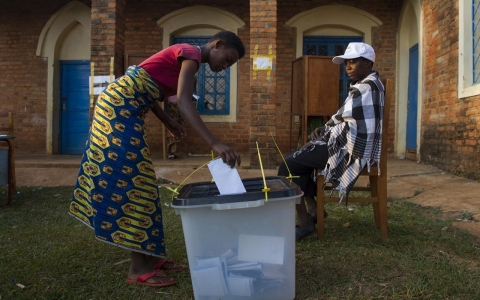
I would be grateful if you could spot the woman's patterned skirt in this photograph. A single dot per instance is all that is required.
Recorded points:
(116, 192)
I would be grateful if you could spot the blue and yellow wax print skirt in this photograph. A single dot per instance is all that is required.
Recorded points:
(116, 192)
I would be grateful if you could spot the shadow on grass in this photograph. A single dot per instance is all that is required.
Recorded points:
(47, 254)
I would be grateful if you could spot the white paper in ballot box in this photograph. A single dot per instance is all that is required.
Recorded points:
(210, 276)
(227, 179)
(263, 249)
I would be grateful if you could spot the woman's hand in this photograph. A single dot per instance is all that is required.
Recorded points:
(175, 128)
(172, 99)
(228, 155)
(172, 126)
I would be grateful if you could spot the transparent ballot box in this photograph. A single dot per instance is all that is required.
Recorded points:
(240, 246)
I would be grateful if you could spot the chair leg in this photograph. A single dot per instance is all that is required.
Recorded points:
(382, 204)
(320, 207)
(378, 185)
(384, 218)
(380, 209)
(11, 184)
(10, 192)
(374, 192)
(11, 168)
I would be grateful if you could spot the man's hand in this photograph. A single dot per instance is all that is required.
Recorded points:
(317, 133)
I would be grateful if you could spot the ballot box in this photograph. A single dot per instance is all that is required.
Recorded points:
(240, 246)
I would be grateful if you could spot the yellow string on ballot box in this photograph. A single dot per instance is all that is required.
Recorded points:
(290, 176)
(265, 188)
(175, 190)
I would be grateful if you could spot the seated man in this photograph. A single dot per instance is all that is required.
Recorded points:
(350, 140)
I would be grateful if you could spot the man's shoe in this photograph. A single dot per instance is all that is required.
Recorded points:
(314, 218)
(303, 232)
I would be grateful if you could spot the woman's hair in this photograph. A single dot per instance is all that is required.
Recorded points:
(230, 40)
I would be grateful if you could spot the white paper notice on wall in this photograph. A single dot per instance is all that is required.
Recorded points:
(99, 83)
(262, 63)
(260, 248)
(227, 179)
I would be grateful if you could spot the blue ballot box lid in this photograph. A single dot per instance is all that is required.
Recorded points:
(205, 193)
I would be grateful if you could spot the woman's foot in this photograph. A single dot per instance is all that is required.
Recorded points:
(155, 278)
(168, 265)
(142, 272)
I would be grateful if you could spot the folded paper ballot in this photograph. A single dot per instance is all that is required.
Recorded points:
(229, 254)
(210, 276)
(245, 266)
(215, 262)
(239, 285)
(266, 285)
(242, 271)
(264, 249)
(209, 281)
(227, 179)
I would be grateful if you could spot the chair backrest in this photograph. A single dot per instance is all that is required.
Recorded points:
(6, 122)
(388, 83)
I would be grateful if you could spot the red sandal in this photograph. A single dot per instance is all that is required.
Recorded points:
(143, 278)
(176, 267)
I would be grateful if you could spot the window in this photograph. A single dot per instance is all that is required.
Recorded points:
(469, 49)
(476, 40)
(212, 87)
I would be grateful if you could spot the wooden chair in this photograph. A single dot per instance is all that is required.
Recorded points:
(6, 136)
(378, 183)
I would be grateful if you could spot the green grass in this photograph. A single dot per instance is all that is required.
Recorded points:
(46, 254)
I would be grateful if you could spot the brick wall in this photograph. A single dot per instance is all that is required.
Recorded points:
(384, 43)
(450, 129)
(263, 84)
(23, 75)
(20, 29)
(108, 35)
(143, 36)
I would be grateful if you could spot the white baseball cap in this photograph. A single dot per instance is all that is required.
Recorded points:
(355, 50)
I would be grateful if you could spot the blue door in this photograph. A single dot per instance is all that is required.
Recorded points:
(74, 106)
(412, 99)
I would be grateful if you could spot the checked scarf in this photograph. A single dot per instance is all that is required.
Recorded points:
(353, 135)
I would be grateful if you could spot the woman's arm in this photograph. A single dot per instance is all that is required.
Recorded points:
(160, 113)
(190, 114)
(172, 126)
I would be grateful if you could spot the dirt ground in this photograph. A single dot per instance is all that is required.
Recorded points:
(425, 185)
(458, 198)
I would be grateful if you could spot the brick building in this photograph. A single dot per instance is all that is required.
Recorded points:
(47, 48)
